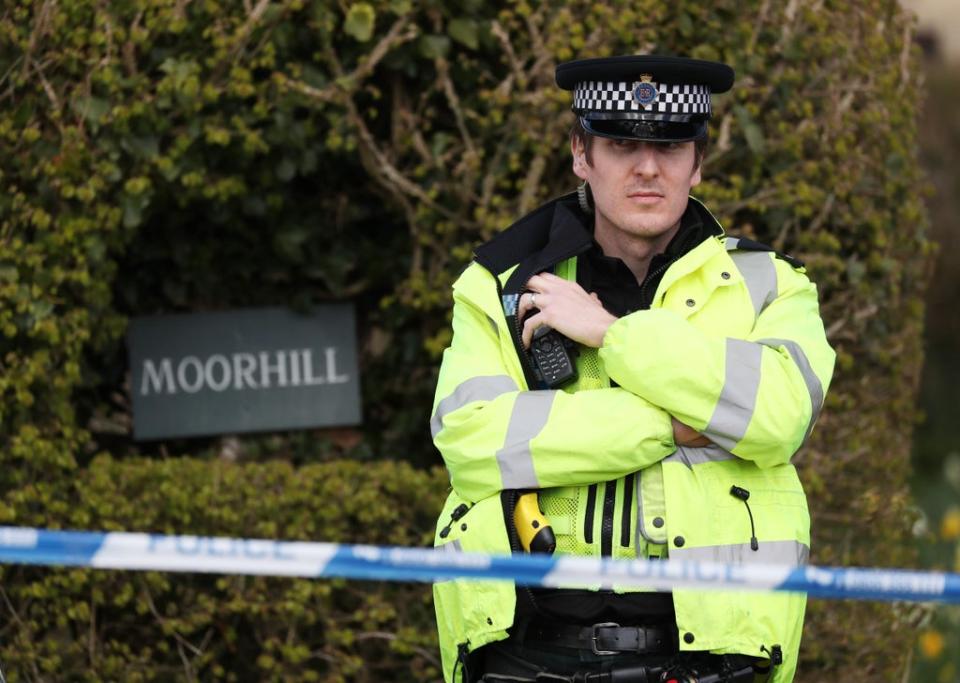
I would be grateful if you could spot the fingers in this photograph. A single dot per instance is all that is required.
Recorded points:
(528, 302)
(529, 327)
(542, 280)
(684, 435)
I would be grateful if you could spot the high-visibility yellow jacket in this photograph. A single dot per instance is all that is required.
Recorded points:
(733, 345)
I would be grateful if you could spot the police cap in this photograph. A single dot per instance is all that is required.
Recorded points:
(644, 97)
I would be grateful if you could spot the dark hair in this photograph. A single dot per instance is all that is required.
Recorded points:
(577, 131)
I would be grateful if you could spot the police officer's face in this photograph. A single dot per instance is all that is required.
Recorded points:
(639, 188)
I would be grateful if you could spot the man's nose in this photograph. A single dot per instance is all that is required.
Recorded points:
(646, 163)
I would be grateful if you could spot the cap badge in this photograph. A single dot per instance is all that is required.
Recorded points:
(644, 92)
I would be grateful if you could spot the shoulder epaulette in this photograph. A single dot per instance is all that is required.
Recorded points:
(744, 244)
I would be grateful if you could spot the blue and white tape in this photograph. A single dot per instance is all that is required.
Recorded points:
(289, 558)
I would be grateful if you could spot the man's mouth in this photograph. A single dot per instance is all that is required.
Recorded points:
(645, 196)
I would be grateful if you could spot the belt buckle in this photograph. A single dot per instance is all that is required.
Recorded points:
(596, 636)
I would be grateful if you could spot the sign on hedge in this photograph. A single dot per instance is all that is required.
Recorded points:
(243, 371)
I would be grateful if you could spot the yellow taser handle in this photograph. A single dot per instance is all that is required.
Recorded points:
(536, 534)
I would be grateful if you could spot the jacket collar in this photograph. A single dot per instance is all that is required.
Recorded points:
(552, 233)
(543, 238)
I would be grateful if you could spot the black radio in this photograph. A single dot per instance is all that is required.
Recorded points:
(553, 357)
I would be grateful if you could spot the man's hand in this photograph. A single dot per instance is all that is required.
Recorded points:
(687, 436)
(566, 307)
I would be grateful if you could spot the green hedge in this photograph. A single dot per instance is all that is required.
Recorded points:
(78, 624)
(167, 156)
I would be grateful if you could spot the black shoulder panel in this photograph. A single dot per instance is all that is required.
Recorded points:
(751, 245)
(528, 235)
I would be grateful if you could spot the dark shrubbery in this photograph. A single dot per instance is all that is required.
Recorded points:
(77, 624)
(168, 156)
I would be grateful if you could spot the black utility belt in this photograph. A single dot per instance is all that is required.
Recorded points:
(605, 638)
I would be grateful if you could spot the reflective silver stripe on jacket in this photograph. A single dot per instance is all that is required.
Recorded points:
(641, 529)
(792, 553)
(814, 386)
(530, 413)
(738, 397)
(483, 388)
(696, 456)
(760, 274)
(451, 547)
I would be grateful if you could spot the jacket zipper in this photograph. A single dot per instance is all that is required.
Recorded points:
(517, 333)
(516, 328)
(650, 276)
(606, 527)
(588, 515)
(627, 511)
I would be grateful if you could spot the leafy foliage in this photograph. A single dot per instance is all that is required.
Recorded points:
(171, 156)
(81, 624)
(936, 458)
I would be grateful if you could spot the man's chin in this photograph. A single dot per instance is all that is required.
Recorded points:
(650, 229)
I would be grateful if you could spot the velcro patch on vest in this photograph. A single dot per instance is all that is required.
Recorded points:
(510, 303)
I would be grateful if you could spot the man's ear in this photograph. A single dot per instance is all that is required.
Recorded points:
(697, 175)
(579, 153)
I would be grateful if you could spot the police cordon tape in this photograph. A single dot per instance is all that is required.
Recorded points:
(263, 557)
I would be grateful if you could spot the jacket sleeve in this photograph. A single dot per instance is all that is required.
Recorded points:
(494, 436)
(756, 397)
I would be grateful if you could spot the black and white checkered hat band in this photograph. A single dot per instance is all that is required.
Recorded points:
(606, 96)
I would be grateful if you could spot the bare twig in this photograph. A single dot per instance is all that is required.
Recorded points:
(443, 73)
(763, 198)
(789, 14)
(781, 239)
(92, 642)
(389, 176)
(723, 139)
(398, 34)
(187, 667)
(344, 83)
(39, 28)
(835, 327)
(129, 49)
(500, 34)
(181, 641)
(253, 18)
(905, 52)
(543, 66)
(404, 125)
(19, 621)
(384, 635)
(493, 172)
(10, 69)
(907, 666)
(758, 26)
(47, 88)
(376, 162)
(532, 182)
(328, 94)
(108, 30)
(320, 654)
(544, 56)
(866, 312)
(823, 213)
(180, 9)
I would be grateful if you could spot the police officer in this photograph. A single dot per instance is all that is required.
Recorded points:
(649, 377)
